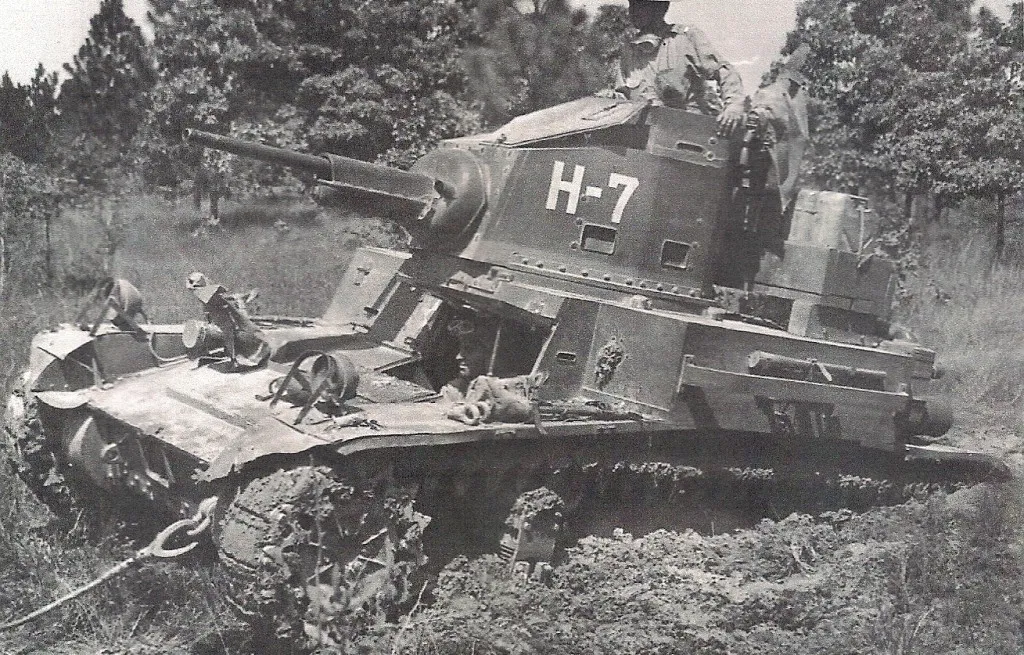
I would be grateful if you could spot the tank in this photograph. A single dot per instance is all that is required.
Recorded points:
(608, 316)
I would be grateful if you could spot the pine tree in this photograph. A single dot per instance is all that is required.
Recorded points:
(105, 93)
(377, 80)
(16, 111)
(28, 115)
(104, 100)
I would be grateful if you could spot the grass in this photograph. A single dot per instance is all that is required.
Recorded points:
(154, 608)
(293, 253)
(936, 576)
(967, 308)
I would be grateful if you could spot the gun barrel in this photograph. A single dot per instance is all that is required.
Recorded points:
(321, 166)
(405, 193)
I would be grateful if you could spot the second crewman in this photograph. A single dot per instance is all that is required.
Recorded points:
(673, 64)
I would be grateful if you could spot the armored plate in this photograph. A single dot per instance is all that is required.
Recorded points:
(576, 117)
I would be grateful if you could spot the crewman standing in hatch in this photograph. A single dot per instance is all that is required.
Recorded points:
(673, 64)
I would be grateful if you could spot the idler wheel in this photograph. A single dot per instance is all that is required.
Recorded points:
(313, 557)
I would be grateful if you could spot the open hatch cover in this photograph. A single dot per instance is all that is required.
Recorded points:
(576, 117)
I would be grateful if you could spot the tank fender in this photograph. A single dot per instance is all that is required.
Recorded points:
(63, 400)
(48, 352)
(61, 343)
(270, 436)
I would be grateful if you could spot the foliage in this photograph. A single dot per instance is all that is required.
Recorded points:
(30, 200)
(104, 99)
(104, 93)
(957, 303)
(29, 114)
(155, 608)
(911, 98)
(1011, 34)
(367, 80)
(538, 54)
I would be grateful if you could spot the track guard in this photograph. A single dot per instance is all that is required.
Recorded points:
(268, 437)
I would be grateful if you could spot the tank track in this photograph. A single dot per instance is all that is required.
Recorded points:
(32, 455)
(267, 527)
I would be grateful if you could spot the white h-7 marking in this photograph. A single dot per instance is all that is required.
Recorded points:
(574, 188)
(616, 180)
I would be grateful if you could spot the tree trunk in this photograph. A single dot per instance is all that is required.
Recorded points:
(908, 210)
(937, 207)
(215, 204)
(4, 255)
(3, 264)
(1000, 225)
(48, 255)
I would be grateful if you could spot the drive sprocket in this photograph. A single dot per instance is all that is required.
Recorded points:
(315, 554)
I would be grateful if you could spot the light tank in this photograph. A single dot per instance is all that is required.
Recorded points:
(609, 315)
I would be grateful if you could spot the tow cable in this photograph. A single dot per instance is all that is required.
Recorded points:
(190, 527)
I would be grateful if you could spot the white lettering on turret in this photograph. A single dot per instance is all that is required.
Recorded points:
(572, 187)
(630, 184)
(575, 189)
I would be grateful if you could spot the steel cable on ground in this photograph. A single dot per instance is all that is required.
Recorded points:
(191, 527)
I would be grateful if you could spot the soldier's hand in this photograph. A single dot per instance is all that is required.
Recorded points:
(610, 93)
(730, 119)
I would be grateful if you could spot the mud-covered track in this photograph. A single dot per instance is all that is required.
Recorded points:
(287, 528)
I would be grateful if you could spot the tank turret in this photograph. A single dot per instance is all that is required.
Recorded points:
(626, 199)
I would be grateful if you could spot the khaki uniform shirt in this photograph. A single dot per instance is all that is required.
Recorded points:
(675, 67)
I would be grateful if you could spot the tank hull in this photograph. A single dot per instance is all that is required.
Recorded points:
(605, 321)
(648, 419)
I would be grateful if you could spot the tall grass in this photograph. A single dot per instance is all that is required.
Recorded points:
(970, 308)
(293, 252)
(155, 608)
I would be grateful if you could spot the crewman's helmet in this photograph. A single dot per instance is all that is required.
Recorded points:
(195, 280)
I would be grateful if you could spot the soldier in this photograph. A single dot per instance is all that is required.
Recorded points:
(673, 64)
(472, 357)
(782, 110)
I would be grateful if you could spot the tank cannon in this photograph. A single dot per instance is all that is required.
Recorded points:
(437, 200)
(592, 326)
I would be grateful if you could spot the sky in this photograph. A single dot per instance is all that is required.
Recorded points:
(48, 31)
(747, 32)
